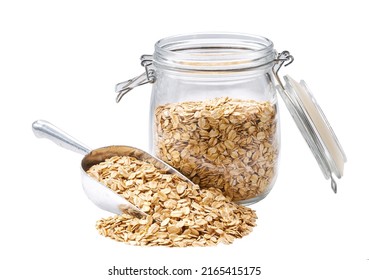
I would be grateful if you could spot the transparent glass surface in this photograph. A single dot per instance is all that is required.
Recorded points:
(214, 112)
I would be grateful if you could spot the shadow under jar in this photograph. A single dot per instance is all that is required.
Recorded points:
(214, 113)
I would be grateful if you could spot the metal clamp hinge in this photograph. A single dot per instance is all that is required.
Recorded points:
(147, 77)
(282, 58)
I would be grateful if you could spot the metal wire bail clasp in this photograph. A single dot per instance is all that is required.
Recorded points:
(147, 77)
(282, 58)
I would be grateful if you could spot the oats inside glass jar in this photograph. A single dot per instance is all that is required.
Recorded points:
(223, 143)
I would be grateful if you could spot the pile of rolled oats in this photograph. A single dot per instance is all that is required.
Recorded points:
(179, 213)
(224, 143)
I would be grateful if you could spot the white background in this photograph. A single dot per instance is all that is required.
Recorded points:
(60, 61)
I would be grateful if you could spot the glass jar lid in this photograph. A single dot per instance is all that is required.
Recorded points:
(314, 127)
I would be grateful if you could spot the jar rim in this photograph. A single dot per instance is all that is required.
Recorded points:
(214, 51)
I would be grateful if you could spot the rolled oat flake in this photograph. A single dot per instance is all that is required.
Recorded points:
(215, 117)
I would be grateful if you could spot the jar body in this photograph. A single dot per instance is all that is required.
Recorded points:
(218, 128)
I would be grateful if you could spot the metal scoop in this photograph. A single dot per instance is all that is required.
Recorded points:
(98, 193)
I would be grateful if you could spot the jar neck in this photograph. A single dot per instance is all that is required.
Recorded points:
(216, 53)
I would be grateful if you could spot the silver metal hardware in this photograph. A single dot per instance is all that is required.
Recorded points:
(333, 184)
(147, 77)
(282, 58)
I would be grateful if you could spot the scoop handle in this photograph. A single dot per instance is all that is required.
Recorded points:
(44, 129)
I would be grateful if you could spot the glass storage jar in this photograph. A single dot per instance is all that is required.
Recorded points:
(214, 111)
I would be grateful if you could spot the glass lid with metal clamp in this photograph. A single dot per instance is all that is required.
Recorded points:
(312, 123)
